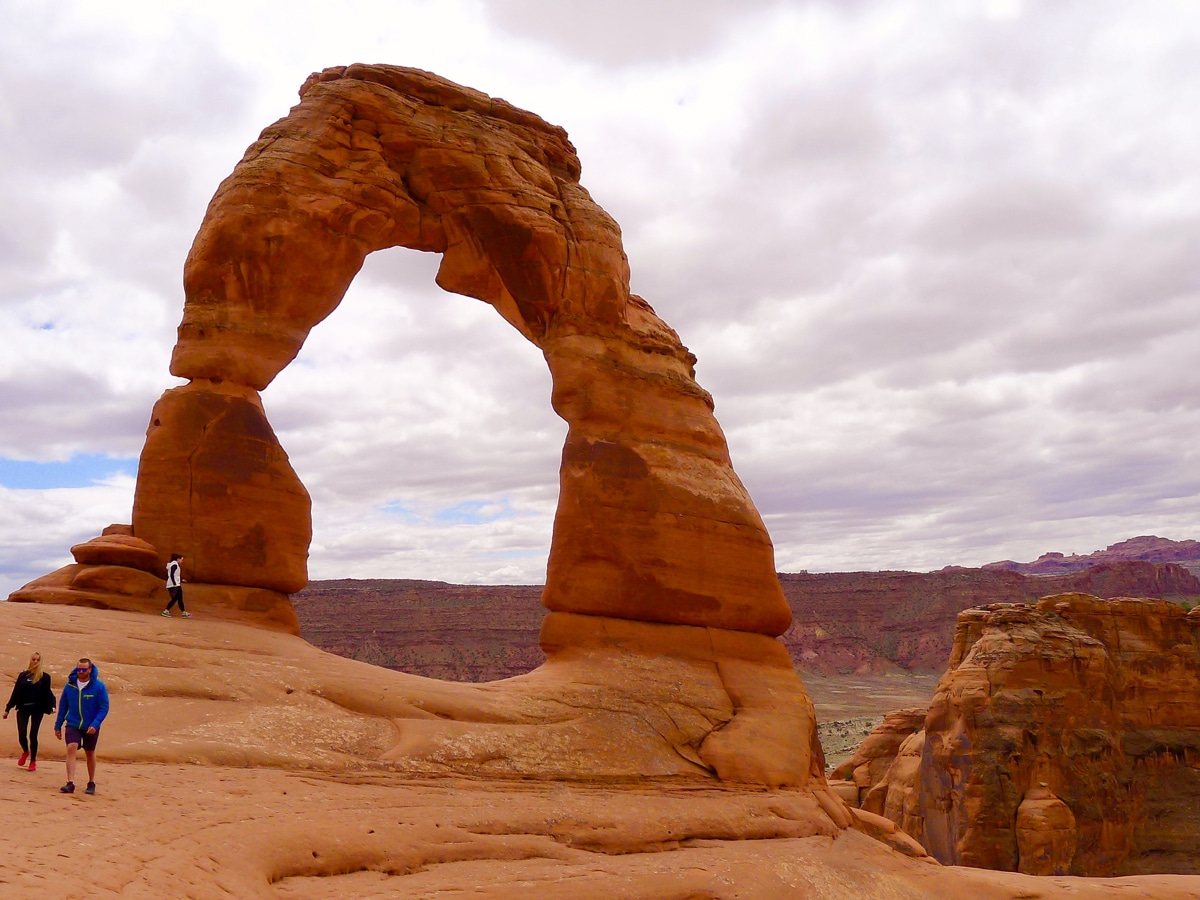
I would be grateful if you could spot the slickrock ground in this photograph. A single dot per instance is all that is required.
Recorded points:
(226, 770)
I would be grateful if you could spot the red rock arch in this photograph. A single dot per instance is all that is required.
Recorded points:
(652, 524)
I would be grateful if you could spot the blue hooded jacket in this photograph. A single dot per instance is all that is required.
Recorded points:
(83, 709)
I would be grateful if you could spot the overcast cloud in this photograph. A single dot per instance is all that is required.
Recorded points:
(940, 263)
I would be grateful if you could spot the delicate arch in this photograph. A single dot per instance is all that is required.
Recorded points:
(652, 523)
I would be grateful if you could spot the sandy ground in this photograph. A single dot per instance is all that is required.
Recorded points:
(156, 831)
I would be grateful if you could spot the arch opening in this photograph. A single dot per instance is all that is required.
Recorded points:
(419, 424)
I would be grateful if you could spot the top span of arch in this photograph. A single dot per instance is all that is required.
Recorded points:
(383, 156)
(548, 142)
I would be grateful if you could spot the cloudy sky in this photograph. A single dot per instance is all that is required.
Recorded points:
(940, 263)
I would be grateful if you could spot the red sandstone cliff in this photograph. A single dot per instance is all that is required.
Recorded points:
(843, 622)
(876, 621)
(450, 631)
(1064, 737)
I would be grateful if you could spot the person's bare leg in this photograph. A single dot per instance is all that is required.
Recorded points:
(91, 764)
(71, 751)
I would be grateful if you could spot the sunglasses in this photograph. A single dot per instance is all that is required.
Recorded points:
(83, 668)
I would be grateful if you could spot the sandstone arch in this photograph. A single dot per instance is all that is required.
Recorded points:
(663, 599)
(652, 524)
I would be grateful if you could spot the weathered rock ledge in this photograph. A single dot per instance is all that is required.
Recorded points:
(1064, 737)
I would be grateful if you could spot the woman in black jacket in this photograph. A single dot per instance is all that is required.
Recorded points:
(33, 698)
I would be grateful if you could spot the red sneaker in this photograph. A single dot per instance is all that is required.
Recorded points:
(33, 767)
(24, 756)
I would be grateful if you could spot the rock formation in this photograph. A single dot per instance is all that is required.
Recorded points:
(659, 559)
(869, 765)
(882, 621)
(1046, 833)
(1069, 725)
(653, 524)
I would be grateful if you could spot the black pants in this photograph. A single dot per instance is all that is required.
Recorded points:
(33, 720)
(176, 597)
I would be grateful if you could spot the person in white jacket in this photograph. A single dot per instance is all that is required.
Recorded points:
(175, 585)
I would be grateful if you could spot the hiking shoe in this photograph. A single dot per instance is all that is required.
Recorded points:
(167, 613)
(24, 756)
(186, 615)
(68, 788)
(91, 788)
(33, 767)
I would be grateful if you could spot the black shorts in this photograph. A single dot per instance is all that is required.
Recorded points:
(87, 741)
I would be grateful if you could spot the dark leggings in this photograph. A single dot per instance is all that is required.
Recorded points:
(176, 597)
(33, 720)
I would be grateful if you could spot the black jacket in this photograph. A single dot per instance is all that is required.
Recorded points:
(32, 696)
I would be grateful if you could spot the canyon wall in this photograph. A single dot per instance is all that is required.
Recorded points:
(1069, 725)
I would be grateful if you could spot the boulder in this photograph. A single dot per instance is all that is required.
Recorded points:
(115, 549)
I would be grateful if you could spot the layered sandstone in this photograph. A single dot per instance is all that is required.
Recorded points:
(882, 621)
(870, 763)
(652, 523)
(656, 543)
(1070, 724)
(240, 762)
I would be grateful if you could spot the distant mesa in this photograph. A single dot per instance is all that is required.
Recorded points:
(843, 622)
(1145, 548)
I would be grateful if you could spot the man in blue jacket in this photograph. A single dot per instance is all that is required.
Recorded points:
(83, 706)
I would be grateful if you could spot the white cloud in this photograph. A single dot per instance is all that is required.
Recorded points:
(938, 262)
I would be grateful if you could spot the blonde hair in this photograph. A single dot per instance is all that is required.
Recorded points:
(35, 672)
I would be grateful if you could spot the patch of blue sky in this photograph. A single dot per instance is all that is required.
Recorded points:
(469, 512)
(474, 512)
(401, 511)
(81, 470)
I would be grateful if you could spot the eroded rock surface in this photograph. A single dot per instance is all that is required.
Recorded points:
(1046, 833)
(875, 755)
(1095, 699)
(242, 762)
(653, 528)
(652, 523)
